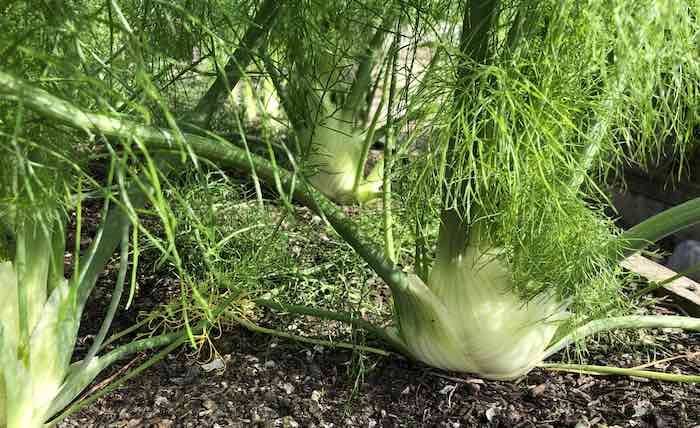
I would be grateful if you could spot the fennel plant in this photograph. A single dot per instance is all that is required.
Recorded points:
(42, 309)
(516, 258)
(546, 98)
(425, 316)
(323, 68)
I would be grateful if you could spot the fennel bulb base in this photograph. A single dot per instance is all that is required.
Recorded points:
(468, 319)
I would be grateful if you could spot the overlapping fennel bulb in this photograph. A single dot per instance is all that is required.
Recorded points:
(468, 319)
(336, 151)
(33, 373)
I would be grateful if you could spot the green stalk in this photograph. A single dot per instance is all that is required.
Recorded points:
(76, 384)
(516, 29)
(273, 162)
(58, 245)
(235, 67)
(453, 235)
(657, 227)
(605, 370)
(21, 265)
(370, 137)
(257, 329)
(102, 248)
(116, 296)
(478, 19)
(128, 330)
(414, 113)
(626, 322)
(522, 27)
(389, 157)
(369, 97)
(597, 134)
(421, 252)
(364, 71)
(134, 267)
(347, 318)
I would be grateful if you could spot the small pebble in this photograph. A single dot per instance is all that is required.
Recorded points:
(536, 391)
(209, 404)
(161, 401)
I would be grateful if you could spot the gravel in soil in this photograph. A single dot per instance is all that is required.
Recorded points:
(269, 383)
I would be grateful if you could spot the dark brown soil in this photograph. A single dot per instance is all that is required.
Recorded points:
(269, 382)
(273, 383)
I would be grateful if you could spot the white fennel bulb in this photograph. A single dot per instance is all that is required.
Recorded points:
(467, 318)
(32, 374)
(336, 152)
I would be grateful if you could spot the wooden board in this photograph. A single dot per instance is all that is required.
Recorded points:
(684, 290)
